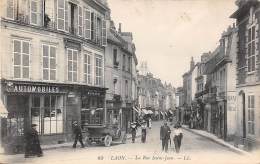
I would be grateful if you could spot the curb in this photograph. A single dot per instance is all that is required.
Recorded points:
(230, 147)
(69, 144)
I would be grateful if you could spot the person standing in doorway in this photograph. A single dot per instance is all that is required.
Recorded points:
(77, 134)
(165, 132)
(177, 137)
(32, 143)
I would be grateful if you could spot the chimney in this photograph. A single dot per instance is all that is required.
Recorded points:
(119, 28)
(192, 64)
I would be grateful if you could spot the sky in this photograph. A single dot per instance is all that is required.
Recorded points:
(167, 33)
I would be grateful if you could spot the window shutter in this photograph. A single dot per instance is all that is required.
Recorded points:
(61, 15)
(104, 33)
(87, 24)
(66, 16)
(80, 19)
(10, 9)
(33, 12)
(96, 28)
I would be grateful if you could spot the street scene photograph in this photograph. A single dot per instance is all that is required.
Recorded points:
(129, 81)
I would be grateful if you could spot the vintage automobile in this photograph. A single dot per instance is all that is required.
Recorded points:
(100, 127)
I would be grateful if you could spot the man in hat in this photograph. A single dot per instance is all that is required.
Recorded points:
(78, 134)
(165, 132)
(32, 142)
(133, 131)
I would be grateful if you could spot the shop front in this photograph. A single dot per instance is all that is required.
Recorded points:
(33, 103)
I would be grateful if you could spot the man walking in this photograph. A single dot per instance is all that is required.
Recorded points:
(165, 132)
(78, 134)
(133, 131)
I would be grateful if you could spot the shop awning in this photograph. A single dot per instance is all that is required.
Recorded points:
(145, 111)
(3, 110)
(150, 112)
(136, 109)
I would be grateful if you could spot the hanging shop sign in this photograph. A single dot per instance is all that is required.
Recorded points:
(11, 87)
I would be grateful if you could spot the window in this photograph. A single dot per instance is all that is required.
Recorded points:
(80, 21)
(104, 33)
(129, 64)
(21, 50)
(87, 68)
(33, 12)
(99, 72)
(251, 114)
(93, 35)
(251, 55)
(47, 113)
(49, 62)
(87, 24)
(10, 9)
(126, 89)
(72, 65)
(62, 15)
(116, 63)
(49, 13)
(99, 31)
(124, 62)
(73, 17)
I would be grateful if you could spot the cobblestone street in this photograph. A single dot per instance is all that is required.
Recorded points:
(194, 148)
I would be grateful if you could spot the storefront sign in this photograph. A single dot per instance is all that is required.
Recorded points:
(93, 93)
(31, 88)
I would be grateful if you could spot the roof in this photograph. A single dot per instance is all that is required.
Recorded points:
(244, 8)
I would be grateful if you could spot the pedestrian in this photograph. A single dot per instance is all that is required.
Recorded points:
(150, 123)
(143, 127)
(77, 135)
(133, 131)
(32, 142)
(165, 132)
(177, 137)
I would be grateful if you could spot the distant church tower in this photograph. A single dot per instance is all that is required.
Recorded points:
(144, 68)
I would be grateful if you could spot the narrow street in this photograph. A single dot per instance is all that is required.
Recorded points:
(194, 148)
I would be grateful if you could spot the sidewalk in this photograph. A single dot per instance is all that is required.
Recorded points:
(215, 139)
(69, 144)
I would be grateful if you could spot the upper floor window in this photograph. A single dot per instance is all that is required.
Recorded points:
(87, 68)
(49, 62)
(115, 58)
(124, 62)
(34, 12)
(80, 21)
(21, 52)
(10, 9)
(129, 64)
(251, 48)
(72, 65)
(62, 15)
(251, 114)
(98, 70)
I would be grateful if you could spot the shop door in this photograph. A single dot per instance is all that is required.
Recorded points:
(18, 117)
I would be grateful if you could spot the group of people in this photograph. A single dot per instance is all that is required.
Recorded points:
(166, 135)
(32, 142)
(144, 125)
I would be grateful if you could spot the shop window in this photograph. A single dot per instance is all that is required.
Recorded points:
(87, 68)
(72, 65)
(251, 114)
(49, 117)
(21, 52)
(49, 62)
(98, 70)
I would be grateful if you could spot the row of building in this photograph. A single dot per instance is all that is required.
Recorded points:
(221, 93)
(64, 61)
